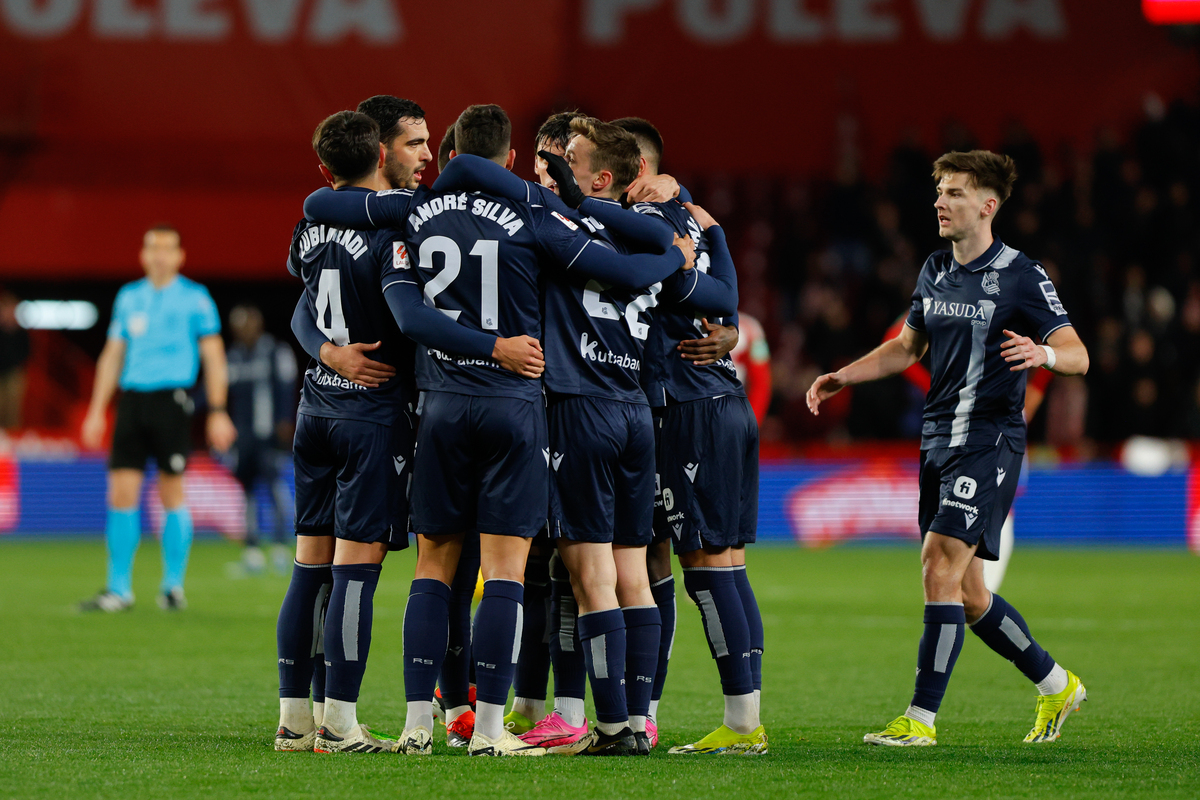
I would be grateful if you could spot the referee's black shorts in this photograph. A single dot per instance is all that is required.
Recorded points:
(157, 424)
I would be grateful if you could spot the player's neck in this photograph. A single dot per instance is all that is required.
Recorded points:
(162, 281)
(375, 183)
(973, 246)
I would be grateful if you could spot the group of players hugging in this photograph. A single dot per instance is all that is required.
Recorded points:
(533, 379)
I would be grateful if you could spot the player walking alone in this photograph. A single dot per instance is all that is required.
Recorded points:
(969, 304)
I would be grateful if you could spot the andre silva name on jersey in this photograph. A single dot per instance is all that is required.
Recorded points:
(479, 206)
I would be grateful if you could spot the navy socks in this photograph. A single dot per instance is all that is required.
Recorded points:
(753, 622)
(298, 632)
(714, 591)
(496, 640)
(566, 652)
(533, 667)
(455, 677)
(348, 629)
(643, 633)
(602, 634)
(1004, 630)
(426, 627)
(664, 598)
(939, 649)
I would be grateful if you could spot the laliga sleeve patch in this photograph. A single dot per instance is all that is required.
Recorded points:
(400, 256)
(1051, 295)
(565, 221)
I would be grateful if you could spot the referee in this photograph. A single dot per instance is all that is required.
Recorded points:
(162, 327)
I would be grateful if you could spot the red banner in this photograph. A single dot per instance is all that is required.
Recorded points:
(116, 114)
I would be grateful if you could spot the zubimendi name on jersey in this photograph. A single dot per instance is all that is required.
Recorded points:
(480, 206)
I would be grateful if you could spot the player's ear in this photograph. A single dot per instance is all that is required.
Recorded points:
(327, 175)
(453, 152)
(512, 159)
(382, 156)
(603, 180)
(641, 166)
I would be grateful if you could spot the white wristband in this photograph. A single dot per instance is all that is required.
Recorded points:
(1051, 359)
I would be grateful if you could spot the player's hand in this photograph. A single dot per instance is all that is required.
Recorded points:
(688, 247)
(353, 363)
(520, 354)
(92, 434)
(652, 189)
(560, 172)
(822, 389)
(712, 348)
(703, 218)
(220, 431)
(1022, 351)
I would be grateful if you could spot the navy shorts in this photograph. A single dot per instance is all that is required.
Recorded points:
(707, 492)
(352, 479)
(602, 455)
(966, 493)
(481, 465)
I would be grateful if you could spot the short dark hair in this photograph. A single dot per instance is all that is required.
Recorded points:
(983, 168)
(616, 149)
(388, 111)
(347, 144)
(163, 227)
(445, 147)
(649, 140)
(556, 129)
(483, 131)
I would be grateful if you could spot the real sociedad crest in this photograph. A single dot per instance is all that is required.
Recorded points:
(991, 282)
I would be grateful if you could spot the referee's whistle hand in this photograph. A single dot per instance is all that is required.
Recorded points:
(92, 435)
(220, 430)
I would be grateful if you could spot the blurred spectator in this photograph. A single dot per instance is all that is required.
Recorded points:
(262, 404)
(14, 352)
(826, 266)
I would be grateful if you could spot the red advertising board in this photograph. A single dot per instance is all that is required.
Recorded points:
(115, 114)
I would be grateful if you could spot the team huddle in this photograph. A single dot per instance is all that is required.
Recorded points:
(533, 379)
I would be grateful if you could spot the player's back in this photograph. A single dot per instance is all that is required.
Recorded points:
(596, 333)
(478, 261)
(341, 273)
(667, 377)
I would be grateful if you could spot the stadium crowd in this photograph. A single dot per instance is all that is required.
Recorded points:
(828, 266)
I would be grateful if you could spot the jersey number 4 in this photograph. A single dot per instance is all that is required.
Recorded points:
(329, 297)
(488, 251)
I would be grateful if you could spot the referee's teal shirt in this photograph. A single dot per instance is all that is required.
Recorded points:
(162, 329)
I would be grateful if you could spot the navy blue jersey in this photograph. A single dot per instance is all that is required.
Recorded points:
(974, 397)
(667, 377)
(596, 332)
(341, 272)
(478, 260)
(262, 387)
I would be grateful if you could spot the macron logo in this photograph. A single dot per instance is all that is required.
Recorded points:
(400, 462)
(970, 519)
(678, 530)
(690, 470)
(556, 460)
(938, 279)
(546, 453)
(999, 476)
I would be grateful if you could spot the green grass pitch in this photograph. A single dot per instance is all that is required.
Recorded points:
(145, 704)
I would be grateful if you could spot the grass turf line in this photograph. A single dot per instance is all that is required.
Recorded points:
(146, 704)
